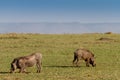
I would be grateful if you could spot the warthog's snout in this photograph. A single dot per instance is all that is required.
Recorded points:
(13, 67)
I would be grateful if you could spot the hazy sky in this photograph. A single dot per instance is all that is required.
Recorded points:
(59, 28)
(84, 11)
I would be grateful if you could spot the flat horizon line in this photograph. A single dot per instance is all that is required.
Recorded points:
(60, 22)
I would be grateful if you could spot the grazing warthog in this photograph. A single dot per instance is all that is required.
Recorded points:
(84, 54)
(27, 61)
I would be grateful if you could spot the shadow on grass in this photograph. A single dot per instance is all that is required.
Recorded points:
(4, 72)
(64, 66)
(13, 73)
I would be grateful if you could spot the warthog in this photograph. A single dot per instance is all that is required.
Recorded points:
(27, 61)
(84, 54)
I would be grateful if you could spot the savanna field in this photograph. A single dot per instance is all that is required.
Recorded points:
(57, 51)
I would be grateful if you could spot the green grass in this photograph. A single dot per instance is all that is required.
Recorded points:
(57, 50)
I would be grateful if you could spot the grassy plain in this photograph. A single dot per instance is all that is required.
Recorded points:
(57, 50)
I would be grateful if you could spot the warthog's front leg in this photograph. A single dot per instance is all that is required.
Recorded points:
(87, 62)
(22, 69)
(39, 64)
(74, 60)
(77, 63)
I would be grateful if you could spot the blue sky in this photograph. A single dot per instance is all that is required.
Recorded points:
(84, 11)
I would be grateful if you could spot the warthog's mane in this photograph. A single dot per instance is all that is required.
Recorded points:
(86, 50)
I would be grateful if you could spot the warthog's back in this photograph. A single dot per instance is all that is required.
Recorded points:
(30, 60)
(33, 58)
(38, 55)
(83, 53)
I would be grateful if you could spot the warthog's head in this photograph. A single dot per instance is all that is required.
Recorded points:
(13, 66)
(92, 62)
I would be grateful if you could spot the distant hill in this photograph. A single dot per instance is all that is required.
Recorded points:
(59, 28)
